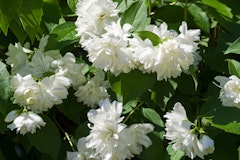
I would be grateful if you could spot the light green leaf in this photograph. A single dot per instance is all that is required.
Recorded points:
(115, 82)
(47, 139)
(234, 47)
(200, 17)
(194, 76)
(124, 5)
(129, 106)
(8, 9)
(135, 83)
(65, 32)
(173, 154)
(152, 116)
(221, 8)
(136, 15)
(72, 5)
(30, 14)
(150, 35)
(4, 87)
(234, 67)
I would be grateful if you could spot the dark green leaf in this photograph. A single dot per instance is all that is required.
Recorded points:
(135, 83)
(115, 83)
(3, 125)
(8, 9)
(81, 131)
(162, 92)
(18, 30)
(231, 121)
(154, 151)
(30, 14)
(234, 47)
(150, 35)
(129, 106)
(47, 139)
(234, 67)
(200, 17)
(152, 116)
(136, 15)
(51, 13)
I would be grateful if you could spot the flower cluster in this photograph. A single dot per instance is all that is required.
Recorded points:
(114, 48)
(179, 131)
(109, 138)
(230, 90)
(40, 80)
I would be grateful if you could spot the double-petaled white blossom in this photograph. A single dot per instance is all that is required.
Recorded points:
(110, 51)
(111, 139)
(42, 95)
(82, 152)
(178, 131)
(93, 16)
(172, 56)
(68, 67)
(24, 122)
(230, 90)
(94, 90)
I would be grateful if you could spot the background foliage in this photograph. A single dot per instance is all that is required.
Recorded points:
(219, 21)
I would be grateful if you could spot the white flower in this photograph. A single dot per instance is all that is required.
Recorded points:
(83, 153)
(42, 95)
(93, 16)
(68, 67)
(178, 131)
(230, 90)
(109, 52)
(110, 138)
(172, 56)
(139, 137)
(24, 122)
(94, 90)
(18, 58)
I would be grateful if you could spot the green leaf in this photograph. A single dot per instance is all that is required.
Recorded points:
(150, 35)
(4, 87)
(72, 4)
(194, 76)
(152, 116)
(221, 8)
(51, 12)
(8, 9)
(234, 47)
(234, 67)
(136, 15)
(135, 83)
(3, 125)
(200, 17)
(129, 106)
(65, 32)
(162, 92)
(173, 154)
(124, 5)
(30, 14)
(81, 131)
(47, 139)
(231, 121)
(115, 83)
(154, 151)
(18, 30)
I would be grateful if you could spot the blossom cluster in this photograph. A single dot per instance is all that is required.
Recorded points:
(180, 131)
(114, 47)
(109, 139)
(41, 79)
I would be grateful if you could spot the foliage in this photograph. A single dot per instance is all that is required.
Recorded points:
(145, 99)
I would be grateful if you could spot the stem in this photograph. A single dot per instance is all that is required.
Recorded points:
(149, 7)
(131, 113)
(66, 135)
(185, 10)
